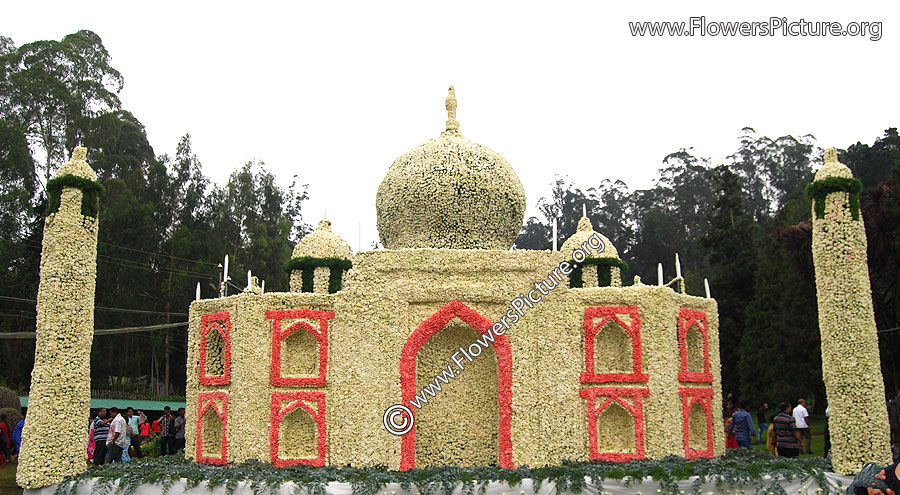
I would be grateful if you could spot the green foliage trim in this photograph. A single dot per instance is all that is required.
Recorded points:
(336, 280)
(313, 262)
(307, 276)
(307, 266)
(816, 191)
(604, 277)
(738, 469)
(90, 198)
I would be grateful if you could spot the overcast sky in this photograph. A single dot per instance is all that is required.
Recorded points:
(334, 91)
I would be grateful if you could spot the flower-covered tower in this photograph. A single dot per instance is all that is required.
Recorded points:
(851, 367)
(61, 379)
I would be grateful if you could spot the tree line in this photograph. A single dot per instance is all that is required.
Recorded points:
(164, 226)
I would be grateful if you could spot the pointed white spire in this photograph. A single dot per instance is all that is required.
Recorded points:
(706, 286)
(198, 291)
(554, 233)
(659, 274)
(677, 266)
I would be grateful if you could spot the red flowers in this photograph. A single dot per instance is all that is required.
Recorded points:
(278, 335)
(635, 408)
(607, 313)
(279, 411)
(214, 321)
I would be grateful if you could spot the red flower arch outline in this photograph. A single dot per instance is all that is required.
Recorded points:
(636, 409)
(689, 397)
(686, 319)
(278, 413)
(205, 401)
(278, 336)
(427, 329)
(209, 322)
(607, 314)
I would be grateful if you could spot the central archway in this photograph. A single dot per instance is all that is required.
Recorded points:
(427, 329)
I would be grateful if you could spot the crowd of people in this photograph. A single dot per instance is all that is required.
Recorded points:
(784, 436)
(9, 440)
(119, 436)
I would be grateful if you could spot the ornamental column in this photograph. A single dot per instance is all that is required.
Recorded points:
(54, 441)
(851, 366)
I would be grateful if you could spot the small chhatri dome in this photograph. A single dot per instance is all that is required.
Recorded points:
(322, 243)
(450, 193)
(581, 235)
(832, 167)
(77, 165)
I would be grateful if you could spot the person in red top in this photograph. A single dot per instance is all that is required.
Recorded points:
(5, 441)
(156, 428)
(731, 438)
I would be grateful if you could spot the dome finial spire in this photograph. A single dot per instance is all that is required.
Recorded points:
(450, 103)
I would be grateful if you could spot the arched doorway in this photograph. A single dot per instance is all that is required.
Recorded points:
(408, 359)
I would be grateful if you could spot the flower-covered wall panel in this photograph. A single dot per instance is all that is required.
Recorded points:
(615, 333)
(215, 348)
(690, 322)
(212, 428)
(697, 429)
(615, 422)
(297, 433)
(444, 432)
(283, 326)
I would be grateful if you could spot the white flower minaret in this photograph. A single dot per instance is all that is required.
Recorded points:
(55, 437)
(851, 366)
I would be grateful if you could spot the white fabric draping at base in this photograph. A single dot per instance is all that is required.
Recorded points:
(836, 484)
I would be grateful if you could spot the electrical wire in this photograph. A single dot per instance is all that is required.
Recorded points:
(102, 308)
(100, 332)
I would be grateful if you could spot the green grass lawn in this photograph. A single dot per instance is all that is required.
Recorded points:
(8, 484)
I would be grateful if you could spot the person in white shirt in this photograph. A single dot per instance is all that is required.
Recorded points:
(801, 417)
(118, 433)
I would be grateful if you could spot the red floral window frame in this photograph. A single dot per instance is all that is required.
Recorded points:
(215, 321)
(278, 412)
(689, 397)
(635, 408)
(278, 336)
(206, 400)
(686, 319)
(607, 313)
(427, 329)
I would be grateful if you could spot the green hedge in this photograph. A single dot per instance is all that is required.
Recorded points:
(307, 266)
(604, 277)
(90, 199)
(816, 192)
(743, 469)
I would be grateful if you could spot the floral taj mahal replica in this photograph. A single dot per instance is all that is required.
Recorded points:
(591, 370)
(594, 370)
